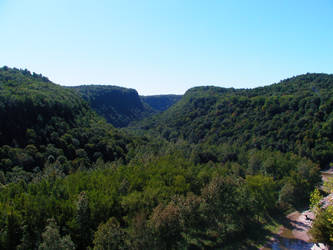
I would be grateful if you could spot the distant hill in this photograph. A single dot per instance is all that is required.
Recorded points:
(41, 122)
(161, 102)
(31, 101)
(119, 106)
(293, 115)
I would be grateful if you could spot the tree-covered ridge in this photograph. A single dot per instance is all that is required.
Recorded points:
(119, 106)
(43, 123)
(17, 76)
(294, 115)
(307, 82)
(161, 102)
(30, 101)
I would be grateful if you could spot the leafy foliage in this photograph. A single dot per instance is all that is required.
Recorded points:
(168, 200)
(109, 236)
(315, 198)
(52, 239)
(322, 227)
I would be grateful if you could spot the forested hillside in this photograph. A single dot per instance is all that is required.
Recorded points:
(294, 115)
(43, 123)
(119, 106)
(211, 172)
(161, 102)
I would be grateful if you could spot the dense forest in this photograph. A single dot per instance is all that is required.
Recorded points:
(210, 172)
(294, 115)
(42, 123)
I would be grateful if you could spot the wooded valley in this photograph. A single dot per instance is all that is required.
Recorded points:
(100, 167)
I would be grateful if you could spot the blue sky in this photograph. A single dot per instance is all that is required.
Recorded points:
(169, 46)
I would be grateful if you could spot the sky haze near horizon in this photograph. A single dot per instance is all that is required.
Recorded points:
(167, 47)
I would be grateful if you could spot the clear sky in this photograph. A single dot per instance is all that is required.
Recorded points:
(167, 46)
